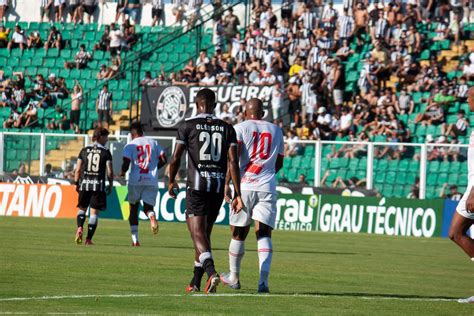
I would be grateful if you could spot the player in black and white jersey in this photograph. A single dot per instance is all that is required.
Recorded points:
(93, 163)
(210, 144)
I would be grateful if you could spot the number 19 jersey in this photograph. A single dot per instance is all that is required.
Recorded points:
(207, 140)
(260, 144)
(94, 167)
(144, 154)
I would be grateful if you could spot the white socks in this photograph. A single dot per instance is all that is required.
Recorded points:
(265, 251)
(93, 220)
(134, 229)
(204, 256)
(236, 252)
(151, 214)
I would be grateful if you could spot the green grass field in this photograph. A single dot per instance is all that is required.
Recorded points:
(312, 273)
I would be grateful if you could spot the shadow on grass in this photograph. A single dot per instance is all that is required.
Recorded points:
(279, 251)
(370, 295)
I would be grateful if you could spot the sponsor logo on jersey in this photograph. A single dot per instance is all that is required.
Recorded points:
(171, 107)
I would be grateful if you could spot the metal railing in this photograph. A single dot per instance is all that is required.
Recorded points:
(116, 143)
(166, 142)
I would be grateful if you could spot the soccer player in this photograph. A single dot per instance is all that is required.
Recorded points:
(93, 163)
(210, 144)
(261, 151)
(146, 156)
(463, 218)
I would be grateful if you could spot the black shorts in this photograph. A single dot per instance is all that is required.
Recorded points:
(104, 116)
(294, 106)
(57, 7)
(73, 8)
(114, 51)
(458, 132)
(286, 13)
(75, 116)
(96, 200)
(90, 9)
(156, 13)
(16, 45)
(199, 203)
(119, 8)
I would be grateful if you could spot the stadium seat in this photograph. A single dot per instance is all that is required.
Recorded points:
(379, 177)
(431, 178)
(393, 165)
(433, 166)
(390, 177)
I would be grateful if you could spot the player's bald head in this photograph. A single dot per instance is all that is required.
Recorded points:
(254, 109)
(206, 100)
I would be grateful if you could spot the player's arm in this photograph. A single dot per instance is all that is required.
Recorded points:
(162, 160)
(174, 167)
(470, 99)
(77, 172)
(125, 165)
(110, 176)
(279, 163)
(470, 201)
(237, 204)
(281, 154)
(227, 190)
(127, 159)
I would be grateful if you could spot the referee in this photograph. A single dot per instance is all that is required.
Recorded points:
(103, 106)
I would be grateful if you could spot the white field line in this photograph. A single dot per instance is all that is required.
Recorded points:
(381, 297)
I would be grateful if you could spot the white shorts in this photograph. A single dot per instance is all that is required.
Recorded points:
(145, 193)
(461, 208)
(258, 206)
(338, 96)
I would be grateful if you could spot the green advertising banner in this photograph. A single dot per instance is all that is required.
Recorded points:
(326, 213)
(297, 212)
(168, 209)
(384, 216)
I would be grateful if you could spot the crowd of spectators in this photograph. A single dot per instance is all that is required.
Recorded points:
(85, 11)
(302, 53)
(47, 93)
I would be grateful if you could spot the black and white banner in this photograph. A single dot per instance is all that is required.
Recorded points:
(167, 106)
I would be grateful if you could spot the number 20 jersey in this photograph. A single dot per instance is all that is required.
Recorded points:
(207, 140)
(260, 144)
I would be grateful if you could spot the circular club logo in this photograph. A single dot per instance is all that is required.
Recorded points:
(171, 107)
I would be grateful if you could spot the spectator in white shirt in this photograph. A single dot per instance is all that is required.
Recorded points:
(208, 80)
(226, 114)
(202, 60)
(278, 94)
(292, 146)
(346, 121)
(18, 39)
(116, 38)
